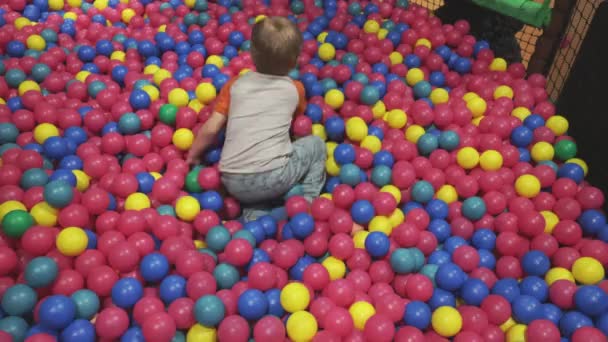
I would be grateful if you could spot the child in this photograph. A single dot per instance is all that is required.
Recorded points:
(259, 163)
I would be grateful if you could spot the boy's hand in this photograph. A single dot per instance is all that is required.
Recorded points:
(194, 157)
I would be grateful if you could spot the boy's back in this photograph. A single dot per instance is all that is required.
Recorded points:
(260, 108)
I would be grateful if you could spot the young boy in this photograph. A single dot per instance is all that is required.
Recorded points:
(259, 163)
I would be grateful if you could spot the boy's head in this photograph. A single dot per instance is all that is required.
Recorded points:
(275, 45)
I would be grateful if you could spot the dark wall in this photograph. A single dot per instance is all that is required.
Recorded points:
(584, 100)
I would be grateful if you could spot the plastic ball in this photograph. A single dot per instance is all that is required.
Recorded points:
(301, 326)
(41, 272)
(295, 297)
(361, 312)
(209, 310)
(588, 271)
(446, 321)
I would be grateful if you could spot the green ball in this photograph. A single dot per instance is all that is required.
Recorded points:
(2, 68)
(430, 270)
(87, 303)
(49, 35)
(565, 149)
(15, 223)
(14, 77)
(8, 133)
(226, 276)
(95, 87)
(166, 210)
(200, 5)
(192, 182)
(40, 72)
(190, 19)
(247, 235)
(40, 272)
(179, 337)
(14, 326)
(19, 300)
(167, 114)
(217, 238)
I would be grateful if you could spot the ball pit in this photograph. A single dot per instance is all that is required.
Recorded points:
(455, 205)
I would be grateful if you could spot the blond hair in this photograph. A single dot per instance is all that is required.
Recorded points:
(275, 45)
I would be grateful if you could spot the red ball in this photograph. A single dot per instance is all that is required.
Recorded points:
(466, 257)
(182, 312)
(588, 334)
(111, 323)
(542, 330)
(233, 328)
(238, 252)
(269, 329)
(497, 308)
(159, 327)
(261, 276)
(339, 321)
(379, 328)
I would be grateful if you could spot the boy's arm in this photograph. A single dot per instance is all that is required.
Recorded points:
(205, 136)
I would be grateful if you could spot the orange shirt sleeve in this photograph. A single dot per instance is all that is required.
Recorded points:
(301, 98)
(222, 102)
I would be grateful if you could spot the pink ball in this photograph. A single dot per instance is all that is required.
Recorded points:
(238, 252)
(316, 276)
(321, 208)
(261, 276)
(419, 287)
(542, 330)
(339, 321)
(466, 257)
(588, 334)
(233, 328)
(497, 308)
(111, 323)
(182, 312)
(269, 329)
(379, 328)
(159, 327)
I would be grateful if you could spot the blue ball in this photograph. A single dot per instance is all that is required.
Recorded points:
(64, 175)
(381, 175)
(552, 313)
(273, 297)
(172, 287)
(486, 259)
(314, 112)
(139, 99)
(572, 171)
(344, 154)
(134, 334)
(57, 312)
(302, 225)
(602, 323)
(55, 147)
(87, 303)
(259, 255)
(145, 182)
(269, 224)
(534, 286)
(209, 310)
(377, 244)
(256, 230)
(417, 314)
(437, 79)
(439, 258)
(383, 157)
(422, 191)
(463, 65)
(252, 304)
(296, 272)
(526, 309)
(454, 242)
(535, 263)
(79, 331)
(522, 136)
(474, 291)
(450, 277)
(572, 321)
(40, 272)
(211, 200)
(350, 174)
(473, 208)
(362, 211)
(592, 221)
(154, 267)
(441, 297)
(534, 121)
(126, 292)
(484, 238)
(508, 288)
(591, 300)
(440, 228)
(403, 261)
(437, 209)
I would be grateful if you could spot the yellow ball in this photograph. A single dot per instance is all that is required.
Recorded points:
(335, 267)
(190, 3)
(477, 121)
(469, 96)
(127, 14)
(527, 186)
(380, 224)
(22, 22)
(36, 42)
(215, 60)
(119, 56)
(9, 206)
(521, 113)
(82, 180)
(516, 333)
(396, 118)
(356, 129)
(498, 64)
(161, 75)
(424, 42)
(56, 5)
(183, 138)
(558, 273)
(75, 3)
(137, 201)
(378, 109)
(361, 311)
(393, 190)
(395, 58)
(152, 92)
(557, 124)
(156, 175)
(44, 131)
(382, 33)
(326, 195)
(477, 106)
(321, 37)
(100, 4)
(490, 160)
(179, 97)
(187, 207)
(295, 297)
(588, 271)
(371, 26)
(508, 324)
(319, 131)
(44, 214)
(332, 168)
(28, 85)
(301, 326)
(447, 193)
(541, 151)
(396, 218)
(580, 163)
(372, 143)
(413, 133)
(327, 52)
(467, 157)
(414, 76)
(195, 105)
(201, 333)
(503, 91)
(70, 15)
(439, 95)
(330, 147)
(260, 18)
(72, 241)
(446, 321)
(205, 92)
(551, 220)
(199, 244)
(359, 239)
(334, 98)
